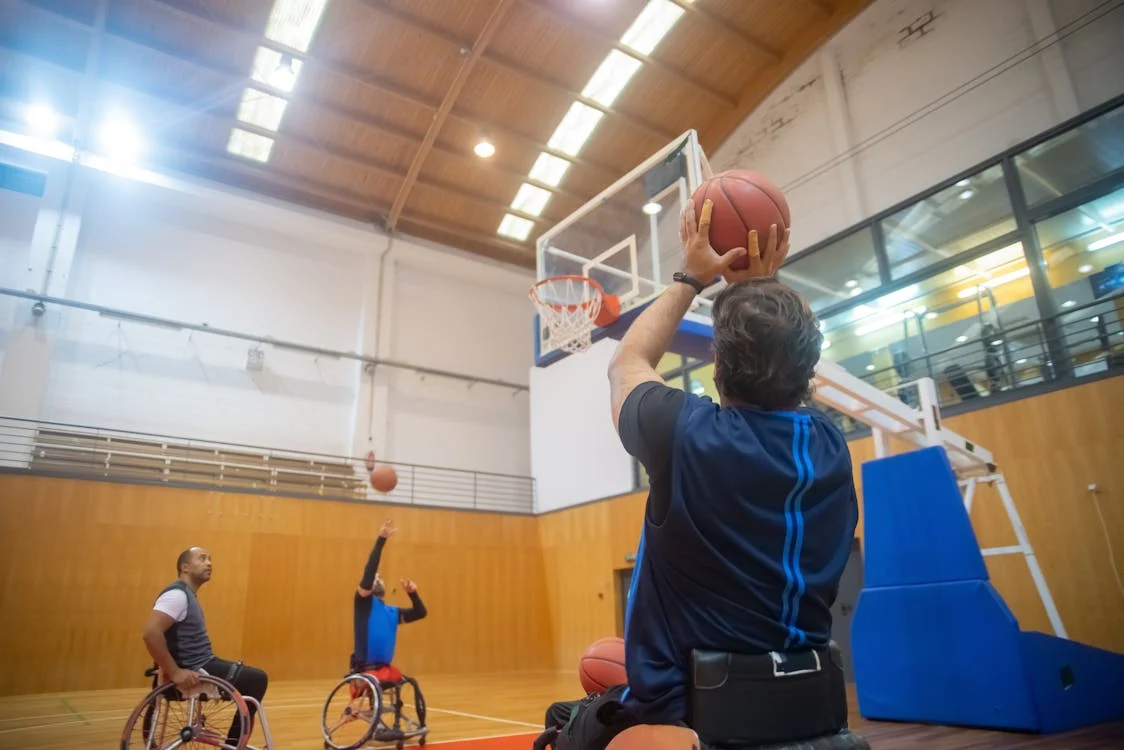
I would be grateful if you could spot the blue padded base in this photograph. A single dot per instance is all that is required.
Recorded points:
(1073, 685)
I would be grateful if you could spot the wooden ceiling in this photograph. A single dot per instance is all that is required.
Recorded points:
(392, 95)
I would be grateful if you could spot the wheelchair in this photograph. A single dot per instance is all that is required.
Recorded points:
(168, 718)
(368, 706)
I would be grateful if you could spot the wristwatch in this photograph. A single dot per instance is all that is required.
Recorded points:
(689, 280)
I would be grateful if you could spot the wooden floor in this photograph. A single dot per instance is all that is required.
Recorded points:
(460, 707)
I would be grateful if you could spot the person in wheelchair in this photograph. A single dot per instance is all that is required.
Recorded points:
(748, 524)
(375, 623)
(176, 637)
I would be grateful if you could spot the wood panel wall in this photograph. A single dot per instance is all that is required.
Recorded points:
(81, 563)
(1050, 449)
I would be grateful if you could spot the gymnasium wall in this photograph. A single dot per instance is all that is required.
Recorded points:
(188, 251)
(83, 561)
(856, 128)
(1050, 448)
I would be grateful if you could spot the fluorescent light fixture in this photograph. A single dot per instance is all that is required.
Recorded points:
(1086, 268)
(961, 339)
(1020, 361)
(249, 145)
(1068, 303)
(880, 320)
(42, 119)
(515, 227)
(1106, 242)
(261, 109)
(275, 69)
(851, 284)
(1095, 319)
(575, 129)
(294, 22)
(530, 199)
(997, 342)
(118, 137)
(1000, 280)
(964, 183)
(549, 170)
(611, 78)
(485, 149)
(651, 26)
(966, 194)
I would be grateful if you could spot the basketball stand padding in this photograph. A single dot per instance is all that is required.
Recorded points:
(934, 642)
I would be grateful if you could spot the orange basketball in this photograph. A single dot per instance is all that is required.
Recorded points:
(602, 665)
(742, 200)
(384, 478)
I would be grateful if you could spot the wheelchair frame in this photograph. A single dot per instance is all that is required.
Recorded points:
(210, 688)
(377, 729)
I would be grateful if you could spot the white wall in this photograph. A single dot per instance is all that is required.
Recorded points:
(576, 455)
(871, 119)
(206, 255)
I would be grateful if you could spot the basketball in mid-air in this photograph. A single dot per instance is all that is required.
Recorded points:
(384, 478)
(602, 665)
(741, 200)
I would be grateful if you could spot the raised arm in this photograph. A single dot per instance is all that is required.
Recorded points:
(367, 582)
(418, 610)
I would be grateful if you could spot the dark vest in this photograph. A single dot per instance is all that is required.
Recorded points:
(188, 641)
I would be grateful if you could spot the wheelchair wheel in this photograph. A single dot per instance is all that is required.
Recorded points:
(168, 718)
(351, 713)
(407, 724)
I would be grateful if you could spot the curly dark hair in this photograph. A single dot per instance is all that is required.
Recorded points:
(766, 345)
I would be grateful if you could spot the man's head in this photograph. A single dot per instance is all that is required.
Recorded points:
(379, 589)
(766, 345)
(194, 566)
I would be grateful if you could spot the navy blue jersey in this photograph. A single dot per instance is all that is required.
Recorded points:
(748, 527)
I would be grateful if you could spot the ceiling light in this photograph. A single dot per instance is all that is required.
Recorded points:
(1095, 319)
(1020, 361)
(611, 77)
(851, 284)
(119, 138)
(930, 315)
(997, 342)
(1107, 241)
(574, 130)
(275, 69)
(42, 119)
(966, 194)
(549, 170)
(1068, 303)
(870, 368)
(1086, 268)
(652, 208)
(999, 280)
(1088, 221)
(261, 109)
(249, 145)
(530, 199)
(515, 227)
(825, 345)
(961, 339)
(651, 26)
(485, 149)
(294, 22)
(964, 183)
(856, 291)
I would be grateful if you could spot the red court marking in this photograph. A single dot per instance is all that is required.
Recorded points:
(507, 742)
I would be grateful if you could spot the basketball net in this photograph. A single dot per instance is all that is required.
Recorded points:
(569, 305)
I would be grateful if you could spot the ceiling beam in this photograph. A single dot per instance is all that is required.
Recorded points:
(503, 63)
(724, 25)
(491, 26)
(689, 81)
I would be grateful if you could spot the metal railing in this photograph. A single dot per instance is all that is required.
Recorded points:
(84, 452)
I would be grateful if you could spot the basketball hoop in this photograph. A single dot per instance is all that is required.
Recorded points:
(571, 306)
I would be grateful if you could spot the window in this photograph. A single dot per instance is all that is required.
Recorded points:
(1073, 159)
(701, 382)
(965, 215)
(966, 328)
(834, 273)
(1084, 254)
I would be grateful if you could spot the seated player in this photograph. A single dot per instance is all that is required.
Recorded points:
(176, 637)
(375, 622)
(752, 506)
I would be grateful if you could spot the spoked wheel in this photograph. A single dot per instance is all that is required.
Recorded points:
(351, 713)
(201, 718)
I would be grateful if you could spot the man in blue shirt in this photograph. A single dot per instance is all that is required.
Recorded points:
(752, 506)
(375, 622)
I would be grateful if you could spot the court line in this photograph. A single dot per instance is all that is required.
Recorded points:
(66, 704)
(483, 737)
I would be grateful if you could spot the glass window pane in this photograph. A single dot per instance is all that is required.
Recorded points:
(834, 273)
(668, 363)
(975, 210)
(971, 328)
(701, 382)
(1084, 253)
(1073, 159)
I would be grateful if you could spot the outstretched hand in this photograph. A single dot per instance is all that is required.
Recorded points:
(700, 260)
(387, 529)
(409, 586)
(762, 264)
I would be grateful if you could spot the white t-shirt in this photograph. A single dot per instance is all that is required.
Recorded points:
(173, 603)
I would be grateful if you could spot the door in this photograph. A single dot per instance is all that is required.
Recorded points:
(843, 611)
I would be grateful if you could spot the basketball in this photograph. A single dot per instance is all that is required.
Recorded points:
(602, 665)
(384, 478)
(742, 200)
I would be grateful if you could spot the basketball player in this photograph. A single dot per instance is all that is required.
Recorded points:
(752, 506)
(176, 637)
(375, 622)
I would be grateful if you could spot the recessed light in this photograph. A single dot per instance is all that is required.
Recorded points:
(1085, 268)
(485, 149)
(1068, 303)
(966, 194)
(851, 284)
(1020, 361)
(964, 183)
(856, 291)
(870, 368)
(652, 208)
(961, 339)
(997, 342)
(930, 315)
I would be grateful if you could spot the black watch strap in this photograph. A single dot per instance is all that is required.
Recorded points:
(689, 280)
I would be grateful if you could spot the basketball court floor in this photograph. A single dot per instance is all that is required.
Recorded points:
(467, 712)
